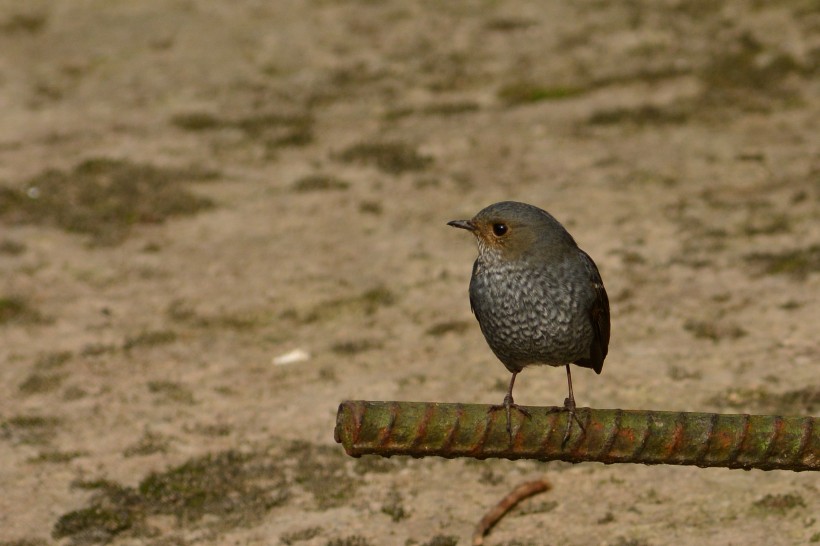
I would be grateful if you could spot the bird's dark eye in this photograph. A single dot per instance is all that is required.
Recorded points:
(499, 229)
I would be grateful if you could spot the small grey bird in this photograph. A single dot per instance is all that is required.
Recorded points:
(538, 298)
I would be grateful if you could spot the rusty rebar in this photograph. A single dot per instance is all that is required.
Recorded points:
(420, 429)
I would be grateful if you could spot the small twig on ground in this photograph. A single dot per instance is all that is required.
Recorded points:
(526, 489)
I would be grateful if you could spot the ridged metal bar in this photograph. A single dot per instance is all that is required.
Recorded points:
(421, 429)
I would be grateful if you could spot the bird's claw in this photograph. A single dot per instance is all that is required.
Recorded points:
(507, 407)
(569, 406)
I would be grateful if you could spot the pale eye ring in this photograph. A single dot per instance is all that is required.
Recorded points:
(499, 229)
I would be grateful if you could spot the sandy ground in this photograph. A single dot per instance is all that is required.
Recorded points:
(192, 189)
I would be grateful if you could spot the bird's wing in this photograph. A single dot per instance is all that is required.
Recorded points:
(598, 314)
(472, 276)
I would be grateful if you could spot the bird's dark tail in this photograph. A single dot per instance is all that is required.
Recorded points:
(595, 360)
(588, 363)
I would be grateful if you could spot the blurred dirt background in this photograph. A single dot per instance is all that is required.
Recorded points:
(190, 190)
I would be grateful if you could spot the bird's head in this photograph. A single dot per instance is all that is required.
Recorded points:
(510, 231)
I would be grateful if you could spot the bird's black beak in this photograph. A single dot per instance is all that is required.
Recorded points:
(463, 224)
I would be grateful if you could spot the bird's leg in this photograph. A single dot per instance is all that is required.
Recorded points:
(569, 405)
(508, 404)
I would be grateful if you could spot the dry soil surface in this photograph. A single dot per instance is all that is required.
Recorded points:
(190, 190)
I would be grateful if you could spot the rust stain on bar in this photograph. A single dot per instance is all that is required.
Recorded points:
(418, 442)
(806, 433)
(420, 429)
(708, 440)
(743, 429)
(478, 447)
(673, 449)
(451, 434)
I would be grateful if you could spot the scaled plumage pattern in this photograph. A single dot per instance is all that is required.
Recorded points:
(538, 298)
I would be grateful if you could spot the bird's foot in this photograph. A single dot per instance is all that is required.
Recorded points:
(569, 406)
(507, 407)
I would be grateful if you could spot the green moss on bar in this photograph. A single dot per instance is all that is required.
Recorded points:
(419, 429)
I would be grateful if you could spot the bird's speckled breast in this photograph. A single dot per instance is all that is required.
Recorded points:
(533, 315)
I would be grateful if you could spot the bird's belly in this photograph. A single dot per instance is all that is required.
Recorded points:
(527, 323)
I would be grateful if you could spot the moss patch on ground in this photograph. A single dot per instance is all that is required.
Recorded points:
(104, 198)
(56, 456)
(30, 429)
(453, 326)
(17, 309)
(219, 490)
(232, 488)
(804, 401)
(524, 92)
(148, 444)
(319, 182)
(355, 346)
(366, 304)
(779, 504)
(172, 392)
(323, 472)
(745, 66)
(390, 157)
(302, 534)
(640, 116)
(38, 383)
(183, 312)
(149, 338)
(24, 542)
(796, 263)
(276, 130)
(11, 247)
(714, 330)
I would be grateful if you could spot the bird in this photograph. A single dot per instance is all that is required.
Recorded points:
(538, 298)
